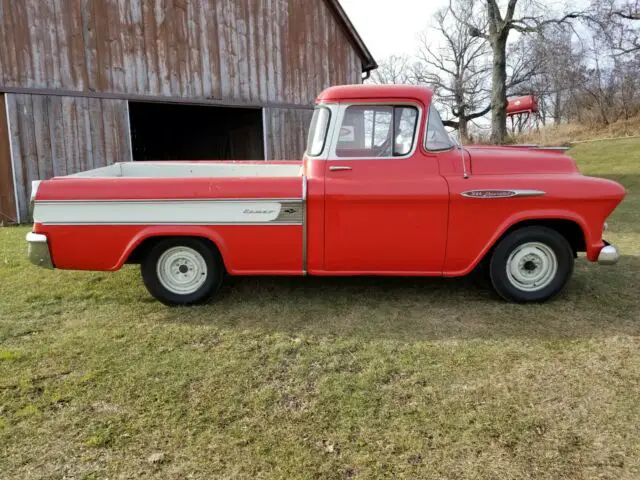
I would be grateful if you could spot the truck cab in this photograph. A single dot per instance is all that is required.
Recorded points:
(382, 190)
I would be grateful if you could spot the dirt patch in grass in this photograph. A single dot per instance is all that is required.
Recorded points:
(325, 378)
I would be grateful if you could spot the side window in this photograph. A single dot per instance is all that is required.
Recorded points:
(377, 131)
(437, 136)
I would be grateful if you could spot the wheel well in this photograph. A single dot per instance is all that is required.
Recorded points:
(141, 250)
(569, 229)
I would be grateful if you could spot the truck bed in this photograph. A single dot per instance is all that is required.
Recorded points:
(193, 170)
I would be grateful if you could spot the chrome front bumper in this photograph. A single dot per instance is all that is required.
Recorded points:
(609, 255)
(39, 250)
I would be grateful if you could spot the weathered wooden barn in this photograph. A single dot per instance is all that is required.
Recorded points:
(85, 83)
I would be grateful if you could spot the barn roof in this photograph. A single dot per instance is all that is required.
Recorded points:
(368, 62)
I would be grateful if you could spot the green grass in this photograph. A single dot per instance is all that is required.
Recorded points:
(325, 378)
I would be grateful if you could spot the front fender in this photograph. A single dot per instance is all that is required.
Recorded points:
(476, 224)
(467, 264)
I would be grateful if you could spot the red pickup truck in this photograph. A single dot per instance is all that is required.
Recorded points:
(381, 190)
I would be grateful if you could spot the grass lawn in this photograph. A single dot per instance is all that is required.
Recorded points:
(325, 378)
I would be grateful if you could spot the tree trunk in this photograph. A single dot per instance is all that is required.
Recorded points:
(499, 90)
(557, 109)
(462, 118)
(462, 130)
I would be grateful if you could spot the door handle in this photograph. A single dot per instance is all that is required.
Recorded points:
(338, 168)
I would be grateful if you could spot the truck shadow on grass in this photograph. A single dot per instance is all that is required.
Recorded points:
(598, 302)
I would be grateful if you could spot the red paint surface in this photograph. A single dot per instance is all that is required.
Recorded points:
(246, 249)
(70, 188)
(402, 216)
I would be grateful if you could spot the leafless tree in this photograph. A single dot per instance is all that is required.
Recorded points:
(455, 65)
(394, 69)
(495, 29)
(554, 72)
(619, 22)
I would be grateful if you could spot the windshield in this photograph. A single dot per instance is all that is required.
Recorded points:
(318, 131)
(437, 136)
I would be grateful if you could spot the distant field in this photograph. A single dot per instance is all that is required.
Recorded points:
(325, 378)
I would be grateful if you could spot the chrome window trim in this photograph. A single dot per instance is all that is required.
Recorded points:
(340, 117)
(333, 109)
(326, 132)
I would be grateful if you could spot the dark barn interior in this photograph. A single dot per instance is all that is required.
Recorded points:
(166, 131)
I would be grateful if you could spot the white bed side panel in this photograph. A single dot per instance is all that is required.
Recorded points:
(190, 212)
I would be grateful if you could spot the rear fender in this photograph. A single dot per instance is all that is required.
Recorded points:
(171, 231)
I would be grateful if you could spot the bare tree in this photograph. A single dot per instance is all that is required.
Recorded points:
(394, 69)
(456, 66)
(618, 22)
(554, 70)
(495, 29)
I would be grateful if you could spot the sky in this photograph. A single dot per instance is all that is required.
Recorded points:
(391, 26)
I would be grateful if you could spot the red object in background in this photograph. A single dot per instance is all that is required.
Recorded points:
(523, 104)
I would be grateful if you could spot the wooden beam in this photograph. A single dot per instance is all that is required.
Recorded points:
(153, 99)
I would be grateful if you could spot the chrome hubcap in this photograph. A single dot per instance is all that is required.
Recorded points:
(181, 270)
(532, 266)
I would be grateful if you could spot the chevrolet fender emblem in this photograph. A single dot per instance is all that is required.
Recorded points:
(501, 193)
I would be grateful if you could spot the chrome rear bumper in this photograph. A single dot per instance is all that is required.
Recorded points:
(39, 250)
(609, 255)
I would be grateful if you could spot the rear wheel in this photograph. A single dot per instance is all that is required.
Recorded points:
(182, 271)
(532, 264)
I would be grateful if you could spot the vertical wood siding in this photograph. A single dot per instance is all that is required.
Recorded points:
(279, 51)
(287, 131)
(62, 135)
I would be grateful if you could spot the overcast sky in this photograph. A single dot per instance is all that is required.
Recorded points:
(391, 26)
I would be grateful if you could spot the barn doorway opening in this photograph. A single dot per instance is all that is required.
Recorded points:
(165, 131)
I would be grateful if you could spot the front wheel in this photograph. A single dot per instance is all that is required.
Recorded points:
(182, 271)
(532, 264)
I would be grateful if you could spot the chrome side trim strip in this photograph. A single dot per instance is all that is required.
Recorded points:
(498, 193)
(304, 225)
(292, 213)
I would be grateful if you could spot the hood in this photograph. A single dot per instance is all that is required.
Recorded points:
(491, 160)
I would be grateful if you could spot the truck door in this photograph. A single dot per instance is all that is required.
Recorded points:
(386, 205)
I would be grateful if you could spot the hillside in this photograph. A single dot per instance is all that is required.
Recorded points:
(567, 134)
